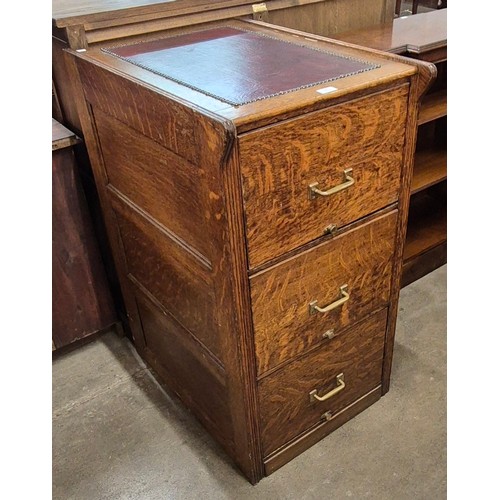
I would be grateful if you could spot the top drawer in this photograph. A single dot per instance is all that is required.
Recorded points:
(281, 162)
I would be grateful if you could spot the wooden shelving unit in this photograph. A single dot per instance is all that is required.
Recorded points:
(426, 240)
(433, 107)
(426, 224)
(429, 168)
(425, 246)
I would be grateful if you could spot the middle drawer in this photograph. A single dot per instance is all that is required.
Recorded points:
(313, 296)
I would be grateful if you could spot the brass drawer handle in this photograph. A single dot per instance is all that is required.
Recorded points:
(344, 297)
(314, 191)
(313, 395)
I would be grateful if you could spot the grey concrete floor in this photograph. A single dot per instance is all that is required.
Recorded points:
(117, 435)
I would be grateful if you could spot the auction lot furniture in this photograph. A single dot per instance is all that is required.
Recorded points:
(255, 185)
(424, 37)
(81, 301)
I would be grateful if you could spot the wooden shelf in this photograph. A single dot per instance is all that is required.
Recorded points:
(425, 263)
(429, 169)
(433, 107)
(426, 225)
(425, 246)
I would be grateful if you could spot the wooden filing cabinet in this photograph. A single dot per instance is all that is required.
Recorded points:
(255, 185)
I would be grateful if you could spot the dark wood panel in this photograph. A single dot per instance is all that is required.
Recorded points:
(434, 106)
(361, 258)
(429, 168)
(66, 84)
(332, 16)
(182, 285)
(160, 182)
(366, 135)
(81, 301)
(315, 434)
(426, 223)
(285, 405)
(200, 384)
(424, 263)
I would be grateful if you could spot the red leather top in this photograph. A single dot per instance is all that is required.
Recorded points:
(237, 66)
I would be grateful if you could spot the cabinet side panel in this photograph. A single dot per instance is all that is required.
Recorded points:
(179, 283)
(192, 140)
(185, 370)
(158, 180)
(163, 120)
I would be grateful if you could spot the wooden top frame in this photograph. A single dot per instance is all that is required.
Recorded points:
(249, 116)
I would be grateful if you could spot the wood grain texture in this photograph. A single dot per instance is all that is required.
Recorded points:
(162, 183)
(434, 106)
(234, 315)
(286, 410)
(210, 142)
(424, 263)
(366, 135)
(163, 124)
(166, 122)
(430, 167)
(426, 222)
(311, 436)
(179, 282)
(66, 84)
(81, 301)
(184, 369)
(333, 16)
(361, 258)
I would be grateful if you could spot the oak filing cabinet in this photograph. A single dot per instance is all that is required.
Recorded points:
(255, 184)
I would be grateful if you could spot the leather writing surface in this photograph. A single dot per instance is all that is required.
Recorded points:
(237, 66)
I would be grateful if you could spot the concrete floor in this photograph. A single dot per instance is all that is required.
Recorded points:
(117, 435)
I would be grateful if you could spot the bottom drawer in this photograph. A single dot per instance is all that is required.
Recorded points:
(314, 387)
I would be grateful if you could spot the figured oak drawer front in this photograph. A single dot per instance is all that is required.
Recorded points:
(328, 168)
(314, 388)
(310, 298)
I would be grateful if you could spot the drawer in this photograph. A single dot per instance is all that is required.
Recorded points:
(285, 322)
(355, 147)
(349, 366)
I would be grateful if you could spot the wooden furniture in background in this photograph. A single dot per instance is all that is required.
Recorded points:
(423, 37)
(81, 301)
(257, 227)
